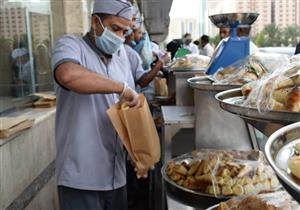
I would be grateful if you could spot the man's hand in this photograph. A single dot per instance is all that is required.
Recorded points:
(165, 58)
(130, 97)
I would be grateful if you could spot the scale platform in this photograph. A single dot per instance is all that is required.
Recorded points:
(236, 47)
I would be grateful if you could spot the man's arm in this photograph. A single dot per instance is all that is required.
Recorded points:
(79, 79)
(149, 76)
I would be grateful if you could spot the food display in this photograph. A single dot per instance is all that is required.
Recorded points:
(191, 61)
(249, 72)
(224, 173)
(294, 162)
(279, 91)
(270, 201)
(250, 69)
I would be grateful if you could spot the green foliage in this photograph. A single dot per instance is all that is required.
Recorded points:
(273, 36)
(215, 40)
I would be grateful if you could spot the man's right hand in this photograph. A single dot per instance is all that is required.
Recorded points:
(131, 97)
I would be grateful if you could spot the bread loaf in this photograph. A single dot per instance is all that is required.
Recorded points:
(293, 101)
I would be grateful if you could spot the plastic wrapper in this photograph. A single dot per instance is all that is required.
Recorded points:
(191, 61)
(279, 91)
(224, 173)
(280, 200)
(250, 69)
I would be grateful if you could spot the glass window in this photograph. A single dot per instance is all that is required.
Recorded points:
(26, 45)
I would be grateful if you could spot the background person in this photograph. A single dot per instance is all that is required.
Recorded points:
(206, 48)
(188, 44)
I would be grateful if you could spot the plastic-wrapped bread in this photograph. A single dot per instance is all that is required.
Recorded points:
(293, 101)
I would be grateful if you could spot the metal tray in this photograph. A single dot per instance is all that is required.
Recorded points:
(191, 197)
(207, 83)
(184, 69)
(186, 196)
(279, 149)
(214, 207)
(232, 100)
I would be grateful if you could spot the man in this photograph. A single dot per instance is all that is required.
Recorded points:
(188, 44)
(22, 80)
(206, 48)
(224, 32)
(147, 51)
(93, 73)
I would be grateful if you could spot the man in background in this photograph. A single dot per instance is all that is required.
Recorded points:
(224, 32)
(188, 44)
(206, 48)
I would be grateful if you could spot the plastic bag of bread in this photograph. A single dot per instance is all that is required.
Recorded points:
(250, 68)
(223, 173)
(191, 61)
(280, 200)
(279, 91)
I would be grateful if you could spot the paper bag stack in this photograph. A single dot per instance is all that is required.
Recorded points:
(46, 100)
(138, 133)
(12, 125)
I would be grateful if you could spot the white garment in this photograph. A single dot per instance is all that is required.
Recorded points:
(252, 48)
(191, 47)
(207, 50)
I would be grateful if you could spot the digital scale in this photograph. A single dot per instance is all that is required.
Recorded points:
(233, 48)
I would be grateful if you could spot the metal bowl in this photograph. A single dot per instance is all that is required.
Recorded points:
(186, 196)
(279, 149)
(207, 83)
(232, 101)
(230, 20)
(214, 207)
(195, 198)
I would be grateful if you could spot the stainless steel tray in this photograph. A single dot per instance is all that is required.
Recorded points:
(214, 207)
(207, 83)
(279, 149)
(191, 197)
(184, 69)
(186, 196)
(232, 100)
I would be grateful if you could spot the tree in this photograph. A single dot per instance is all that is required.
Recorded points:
(259, 39)
(273, 35)
(291, 33)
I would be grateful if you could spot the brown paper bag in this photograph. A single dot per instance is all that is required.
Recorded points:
(161, 87)
(138, 133)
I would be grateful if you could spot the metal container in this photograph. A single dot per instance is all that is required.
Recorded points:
(177, 85)
(216, 128)
(267, 122)
(230, 20)
(214, 207)
(187, 196)
(279, 149)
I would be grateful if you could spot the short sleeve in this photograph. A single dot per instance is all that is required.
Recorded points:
(136, 64)
(67, 49)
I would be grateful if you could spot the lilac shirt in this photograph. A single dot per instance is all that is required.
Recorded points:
(90, 155)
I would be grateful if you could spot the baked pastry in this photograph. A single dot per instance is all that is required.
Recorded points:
(294, 166)
(296, 79)
(281, 95)
(283, 82)
(293, 101)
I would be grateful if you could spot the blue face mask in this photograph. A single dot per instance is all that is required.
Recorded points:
(108, 42)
